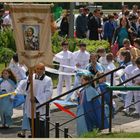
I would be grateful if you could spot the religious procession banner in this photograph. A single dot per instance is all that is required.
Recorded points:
(32, 31)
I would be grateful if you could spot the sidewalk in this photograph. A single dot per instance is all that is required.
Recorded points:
(18, 112)
(127, 127)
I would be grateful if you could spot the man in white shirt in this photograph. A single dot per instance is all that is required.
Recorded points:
(7, 22)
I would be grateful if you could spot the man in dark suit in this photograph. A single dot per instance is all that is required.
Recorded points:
(94, 25)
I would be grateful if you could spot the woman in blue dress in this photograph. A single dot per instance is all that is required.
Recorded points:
(90, 108)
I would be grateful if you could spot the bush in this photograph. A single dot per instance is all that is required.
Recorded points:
(92, 45)
(7, 39)
(5, 55)
(7, 45)
(3, 39)
(56, 43)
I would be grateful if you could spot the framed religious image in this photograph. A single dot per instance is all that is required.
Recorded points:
(31, 37)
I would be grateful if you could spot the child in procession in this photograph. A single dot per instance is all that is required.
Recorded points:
(64, 58)
(7, 84)
(90, 108)
(130, 94)
(102, 57)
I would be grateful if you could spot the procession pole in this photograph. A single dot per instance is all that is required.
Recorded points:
(32, 101)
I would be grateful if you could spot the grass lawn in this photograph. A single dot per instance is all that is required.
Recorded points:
(95, 134)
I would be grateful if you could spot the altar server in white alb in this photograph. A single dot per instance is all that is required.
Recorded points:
(64, 58)
(81, 60)
(81, 57)
(42, 89)
(136, 82)
(18, 69)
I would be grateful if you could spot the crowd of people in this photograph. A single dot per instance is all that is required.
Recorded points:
(112, 27)
(123, 28)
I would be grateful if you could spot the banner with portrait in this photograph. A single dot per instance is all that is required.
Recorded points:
(32, 30)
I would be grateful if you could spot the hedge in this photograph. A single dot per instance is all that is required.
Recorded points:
(7, 39)
(92, 45)
(5, 55)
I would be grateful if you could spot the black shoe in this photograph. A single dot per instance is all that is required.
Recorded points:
(20, 135)
(30, 136)
(4, 127)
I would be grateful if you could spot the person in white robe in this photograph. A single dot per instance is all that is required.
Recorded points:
(102, 57)
(18, 69)
(42, 90)
(64, 58)
(130, 94)
(81, 60)
(110, 66)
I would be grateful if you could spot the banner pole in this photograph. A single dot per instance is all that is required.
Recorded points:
(32, 101)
